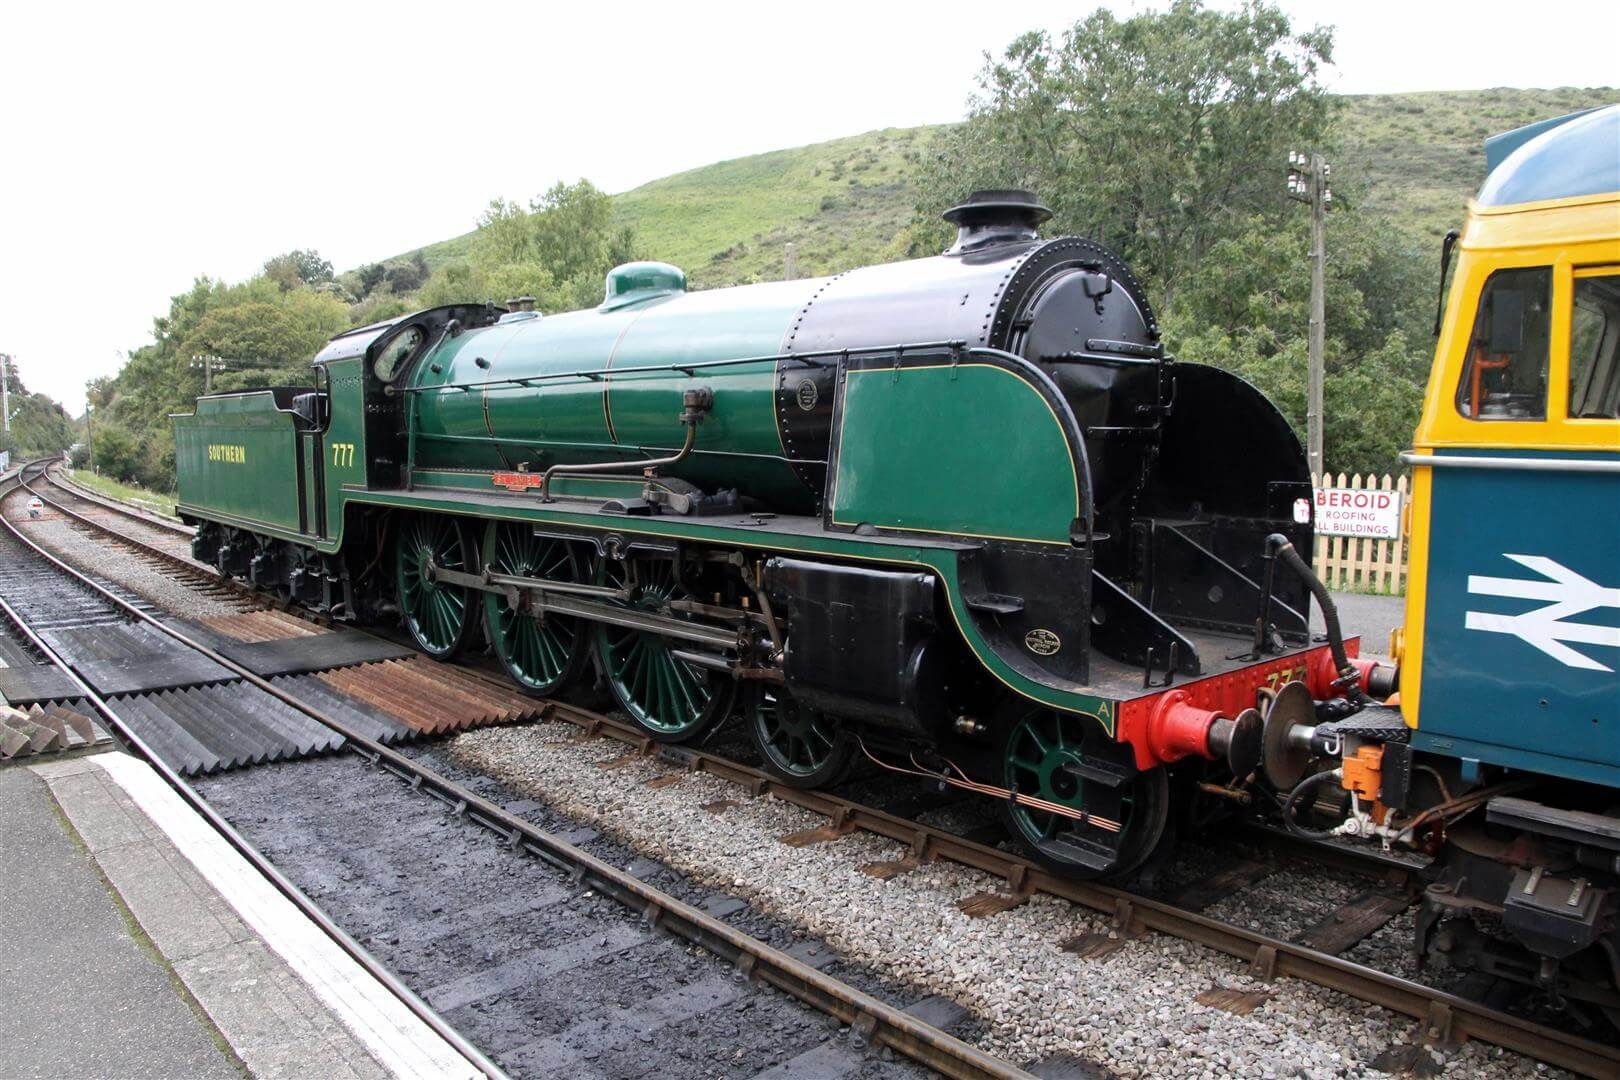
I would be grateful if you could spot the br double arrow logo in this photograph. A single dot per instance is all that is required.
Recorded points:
(1549, 628)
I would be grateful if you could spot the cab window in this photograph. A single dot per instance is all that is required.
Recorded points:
(1594, 348)
(1505, 374)
(391, 361)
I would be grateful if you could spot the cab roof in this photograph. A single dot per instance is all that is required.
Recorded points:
(1562, 158)
(354, 342)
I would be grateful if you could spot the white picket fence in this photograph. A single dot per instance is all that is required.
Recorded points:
(1361, 564)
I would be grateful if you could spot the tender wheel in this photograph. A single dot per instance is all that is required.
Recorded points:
(267, 568)
(801, 746)
(439, 616)
(1039, 751)
(673, 700)
(542, 654)
(306, 577)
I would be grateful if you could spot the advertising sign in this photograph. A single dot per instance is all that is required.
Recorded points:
(1365, 512)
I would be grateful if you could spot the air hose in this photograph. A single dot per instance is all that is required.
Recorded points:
(1349, 675)
(1295, 797)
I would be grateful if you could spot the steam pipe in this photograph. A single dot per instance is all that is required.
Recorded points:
(1349, 674)
(617, 466)
(696, 404)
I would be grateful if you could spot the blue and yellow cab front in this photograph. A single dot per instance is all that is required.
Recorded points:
(1511, 646)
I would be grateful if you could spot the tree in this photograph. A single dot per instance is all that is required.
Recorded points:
(371, 275)
(1157, 135)
(1163, 135)
(39, 426)
(117, 452)
(1247, 312)
(298, 268)
(558, 251)
(573, 231)
(407, 276)
(505, 235)
(269, 332)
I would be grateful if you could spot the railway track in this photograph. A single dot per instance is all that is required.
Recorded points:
(96, 604)
(871, 1020)
(1445, 1017)
(164, 543)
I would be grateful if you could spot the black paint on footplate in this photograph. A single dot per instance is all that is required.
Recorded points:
(312, 652)
(546, 976)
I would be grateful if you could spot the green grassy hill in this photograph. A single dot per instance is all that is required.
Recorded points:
(1421, 155)
(839, 202)
(1415, 157)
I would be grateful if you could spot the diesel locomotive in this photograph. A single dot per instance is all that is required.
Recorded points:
(1500, 753)
(960, 516)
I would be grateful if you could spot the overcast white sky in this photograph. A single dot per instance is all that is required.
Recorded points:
(145, 144)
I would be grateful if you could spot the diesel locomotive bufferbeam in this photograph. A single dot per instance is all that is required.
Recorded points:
(960, 515)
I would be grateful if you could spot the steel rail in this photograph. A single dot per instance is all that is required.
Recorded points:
(127, 735)
(876, 1019)
(1445, 1016)
(200, 571)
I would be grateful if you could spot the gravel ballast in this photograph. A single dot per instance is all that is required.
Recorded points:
(1131, 1011)
(88, 551)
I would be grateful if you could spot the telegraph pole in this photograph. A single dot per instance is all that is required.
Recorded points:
(1309, 182)
(5, 392)
(792, 268)
(207, 364)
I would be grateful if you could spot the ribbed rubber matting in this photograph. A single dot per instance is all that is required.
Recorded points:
(208, 729)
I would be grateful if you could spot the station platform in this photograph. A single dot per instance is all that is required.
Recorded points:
(135, 942)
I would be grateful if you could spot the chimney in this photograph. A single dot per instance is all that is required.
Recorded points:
(995, 217)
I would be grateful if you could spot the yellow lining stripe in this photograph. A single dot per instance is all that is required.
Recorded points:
(607, 371)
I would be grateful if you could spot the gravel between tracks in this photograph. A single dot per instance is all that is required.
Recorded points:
(98, 555)
(1132, 1011)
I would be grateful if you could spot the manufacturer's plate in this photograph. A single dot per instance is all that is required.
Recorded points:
(1042, 642)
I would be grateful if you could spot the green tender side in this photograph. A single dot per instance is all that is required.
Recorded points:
(970, 449)
(626, 415)
(237, 455)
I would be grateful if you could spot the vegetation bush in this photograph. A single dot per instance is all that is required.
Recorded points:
(116, 452)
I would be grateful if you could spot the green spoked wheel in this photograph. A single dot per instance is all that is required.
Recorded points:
(801, 746)
(438, 615)
(1045, 756)
(542, 654)
(673, 700)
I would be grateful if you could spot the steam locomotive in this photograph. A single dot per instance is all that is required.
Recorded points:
(961, 516)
